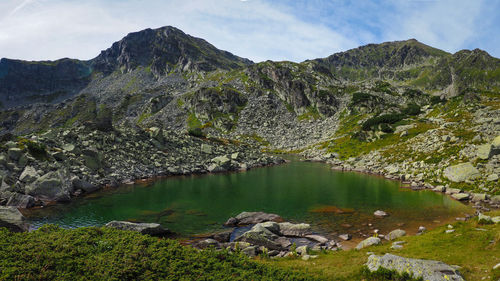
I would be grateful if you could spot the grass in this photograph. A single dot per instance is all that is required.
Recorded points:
(475, 251)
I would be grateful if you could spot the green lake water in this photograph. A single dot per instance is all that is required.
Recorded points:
(297, 191)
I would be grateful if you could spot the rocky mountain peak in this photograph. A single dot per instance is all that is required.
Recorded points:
(164, 50)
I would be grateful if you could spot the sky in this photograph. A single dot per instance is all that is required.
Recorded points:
(260, 30)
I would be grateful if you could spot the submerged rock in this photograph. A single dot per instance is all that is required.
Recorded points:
(427, 269)
(154, 229)
(12, 219)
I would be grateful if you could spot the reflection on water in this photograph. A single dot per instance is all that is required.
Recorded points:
(299, 191)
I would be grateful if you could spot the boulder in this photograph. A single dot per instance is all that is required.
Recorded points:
(317, 238)
(495, 199)
(395, 234)
(272, 226)
(302, 250)
(205, 148)
(478, 197)
(223, 236)
(222, 161)
(380, 213)
(83, 185)
(92, 158)
(368, 242)
(14, 153)
(460, 196)
(246, 218)
(461, 172)
(12, 219)
(484, 219)
(283, 242)
(250, 251)
(495, 219)
(29, 175)
(207, 243)
(260, 236)
(153, 229)
(426, 269)
(53, 186)
(496, 142)
(68, 147)
(484, 151)
(439, 188)
(296, 230)
(345, 237)
(492, 177)
(19, 200)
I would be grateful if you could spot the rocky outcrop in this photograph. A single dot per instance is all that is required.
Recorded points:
(153, 229)
(426, 269)
(12, 219)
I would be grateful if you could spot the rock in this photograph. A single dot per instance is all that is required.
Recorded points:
(392, 169)
(461, 172)
(485, 151)
(479, 197)
(250, 251)
(207, 243)
(12, 219)
(318, 238)
(495, 219)
(296, 230)
(246, 218)
(223, 236)
(450, 191)
(222, 161)
(14, 153)
(91, 158)
(345, 237)
(483, 219)
(68, 147)
(235, 156)
(380, 213)
(396, 247)
(231, 222)
(306, 257)
(302, 250)
(395, 234)
(283, 242)
(83, 185)
(205, 148)
(271, 226)
(497, 266)
(495, 199)
(421, 229)
(492, 177)
(260, 236)
(426, 269)
(496, 142)
(460, 196)
(439, 188)
(53, 186)
(368, 242)
(450, 231)
(19, 200)
(153, 229)
(29, 175)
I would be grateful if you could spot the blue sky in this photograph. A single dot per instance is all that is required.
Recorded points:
(256, 29)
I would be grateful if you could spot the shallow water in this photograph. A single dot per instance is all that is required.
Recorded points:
(332, 201)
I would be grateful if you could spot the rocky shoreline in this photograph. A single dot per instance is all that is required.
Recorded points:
(60, 164)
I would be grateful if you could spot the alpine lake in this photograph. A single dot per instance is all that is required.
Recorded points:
(333, 202)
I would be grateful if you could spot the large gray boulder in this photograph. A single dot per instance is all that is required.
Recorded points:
(297, 230)
(19, 200)
(246, 218)
(428, 270)
(485, 151)
(368, 242)
(395, 234)
(83, 185)
(29, 175)
(461, 172)
(53, 186)
(260, 236)
(153, 229)
(12, 219)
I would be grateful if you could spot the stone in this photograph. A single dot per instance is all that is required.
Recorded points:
(14, 153)
(205, 148)
(496, 142)
(29, 175)
(439, 188)
(53, 186)
(207, 243)
(479, 197)
(231, 222)
(461, 172)
(450, 191)
(68, 147)
(495, 199)
(368, 242)
(83, 185)
(12, 219)
(484, 151)
(426, 269)
(422, 229)
(283, 242)
(222, 161)
(223, 236)
(302, 250)
(19, 200)
(91, 158)
(396, 247)
(450, 230)
(235, 156)
(395, 234)
(345, 237)
(492, 177)
(295, 230)
(250, 251)
(497, 266)
(380, 213)
(318, 238)
(495, 219)
(246, 218)
(484, 219)
(153, 229)
(260, 236)
(460, 196)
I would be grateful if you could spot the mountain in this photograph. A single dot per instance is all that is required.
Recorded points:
(381, 105)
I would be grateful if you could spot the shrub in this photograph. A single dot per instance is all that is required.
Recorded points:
(411, 109)
(386, 118)
(360, 97)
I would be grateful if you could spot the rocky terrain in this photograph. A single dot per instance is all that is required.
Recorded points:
(402, 109)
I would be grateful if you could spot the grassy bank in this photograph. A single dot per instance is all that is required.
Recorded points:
(473, 247)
